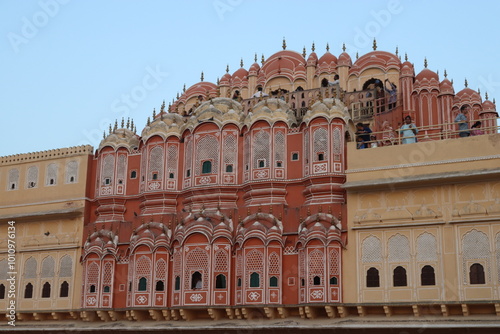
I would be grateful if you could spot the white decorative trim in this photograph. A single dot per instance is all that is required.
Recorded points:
(431, 163)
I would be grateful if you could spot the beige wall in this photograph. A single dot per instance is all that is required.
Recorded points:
(48, 218)
(429, 203)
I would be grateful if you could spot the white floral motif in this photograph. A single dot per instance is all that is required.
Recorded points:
(205, 180)
(105, 190)
(253, 295)
(317, 294)
(261, 174)
(91, 301)
(154, 186)
(196, 297)
(320, 168)
(141, 299)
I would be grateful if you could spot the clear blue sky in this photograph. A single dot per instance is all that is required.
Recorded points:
(67, 66)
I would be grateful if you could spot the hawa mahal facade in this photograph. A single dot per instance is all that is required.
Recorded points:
(236, 202)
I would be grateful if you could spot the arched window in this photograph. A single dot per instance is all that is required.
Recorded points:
(239, 281)
(316, 280)
(476, 274)
(254, 280)
(106, 288)
(64, 292)
(46, 290)
(220, 282)
(160, 286)
(28, 291)
(427, 276)
(334, 280)
(92, 288)
(372, 278)
(2, 291)
(273, 281)
(143, 283)
(399, 276)
(177, 285)
(321, 157)
(229, 168)
(206, 167)
(196, 280)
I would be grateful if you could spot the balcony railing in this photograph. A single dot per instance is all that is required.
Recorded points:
(432, 132)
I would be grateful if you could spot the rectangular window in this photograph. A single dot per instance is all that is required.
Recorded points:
(295, 156)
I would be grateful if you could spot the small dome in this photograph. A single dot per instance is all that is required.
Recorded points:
(489, 106)
(201, 88)
(241, 73)
(254, 69)
(407, 69)
(344, 59)
(225, 80)
(312, 60)
(446, 87)
(427, 74)
(327, 58)
(381, 59)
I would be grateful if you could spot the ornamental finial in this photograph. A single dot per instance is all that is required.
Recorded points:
(284, 43)
(397, 50)
(313, 47)
(262, 59)
(343, 47)
(327, 47)
(445, 73)
(304, 52)
(202, 76)
(486, 95)
(255, 57)
(466, 83)
(241, 62)
(227, 68)
(406, 56)
(374, 44)
(425, 62)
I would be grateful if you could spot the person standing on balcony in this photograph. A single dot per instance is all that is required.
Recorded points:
(463, 124)
(393, 94)
(335, 80)
(387, 134)
(259, 93)
(363, 135)
(408, 131)
(476, 129)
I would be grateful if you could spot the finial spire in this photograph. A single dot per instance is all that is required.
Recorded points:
(202, 76)
(132, 124)
(327, 47)
(452, 81)
(445, 73)
(406, 56)
(123, 123)
(343, 47)
(479, 91)
(110, 129)
(374, 44)
(262, 59)
(486, 95)
(284, 43)
(154, 113)
(357, 56)
(128, 123)
(313, 47)
(255, 57)
(116, 125)
(148, 121)
(162, 107)
(425, 62)
(184, 88)
(177, 95)
(397, 50)
(227, 68)
(304, 52)
(466, 83)
(494, 102)
(104, 135)
(241, 62)
(218, 81)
